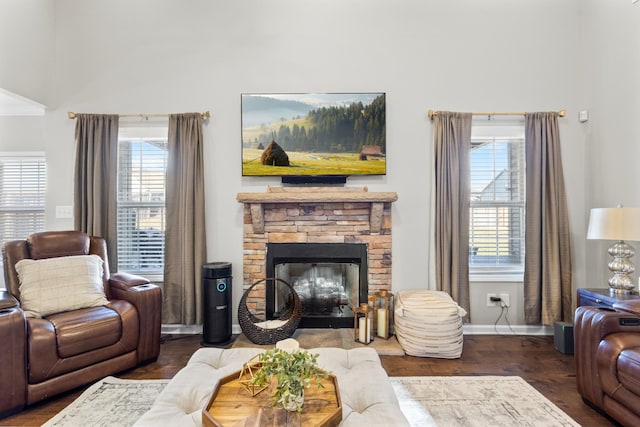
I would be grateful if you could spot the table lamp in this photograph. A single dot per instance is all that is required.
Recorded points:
(618, 224)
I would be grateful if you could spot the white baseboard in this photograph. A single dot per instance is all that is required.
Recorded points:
(190, 329)
(467, 329)
(470, 329)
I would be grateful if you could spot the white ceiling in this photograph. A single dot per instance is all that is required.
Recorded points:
(12, 104)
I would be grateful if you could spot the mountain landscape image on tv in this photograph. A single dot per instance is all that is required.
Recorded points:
(313, 134)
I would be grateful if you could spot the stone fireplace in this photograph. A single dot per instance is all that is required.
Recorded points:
(333, 245)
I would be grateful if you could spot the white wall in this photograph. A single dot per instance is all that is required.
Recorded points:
(27, 36)
(612, 30)
(22, 134)
(145, 56)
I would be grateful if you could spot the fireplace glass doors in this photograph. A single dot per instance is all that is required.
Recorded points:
(329, 279)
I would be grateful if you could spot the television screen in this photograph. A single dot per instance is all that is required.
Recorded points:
(313, 134)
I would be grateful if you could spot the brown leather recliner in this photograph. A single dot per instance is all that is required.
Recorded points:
(607, 354)
(41, 357)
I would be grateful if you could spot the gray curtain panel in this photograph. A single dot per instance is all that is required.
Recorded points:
(547, 272)
(452, 144)
(185, 239)
(95, 179)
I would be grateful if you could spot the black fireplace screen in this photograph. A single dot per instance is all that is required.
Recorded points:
(329, 279)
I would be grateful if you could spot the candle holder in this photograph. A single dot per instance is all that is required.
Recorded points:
(363, 324)
(383, 312)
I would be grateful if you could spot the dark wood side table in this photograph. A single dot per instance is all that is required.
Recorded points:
(602, 297)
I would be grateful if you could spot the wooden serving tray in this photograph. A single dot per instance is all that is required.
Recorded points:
(232, 405)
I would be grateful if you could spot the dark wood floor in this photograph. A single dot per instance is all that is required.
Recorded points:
(532, 358)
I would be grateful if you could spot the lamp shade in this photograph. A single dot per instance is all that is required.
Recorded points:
(614, 224)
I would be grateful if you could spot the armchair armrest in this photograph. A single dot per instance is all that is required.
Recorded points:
(7, 300)
(147, 298)
(591, 326)
(600, 322)
(13, 368)
(125, 281)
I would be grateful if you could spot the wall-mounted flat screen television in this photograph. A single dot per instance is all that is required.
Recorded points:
(313, 134)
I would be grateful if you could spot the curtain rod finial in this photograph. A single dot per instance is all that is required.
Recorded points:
(71, 115)
(562, 113)
(431, 114)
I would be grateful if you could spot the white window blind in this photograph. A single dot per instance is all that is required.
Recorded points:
(142, 163)
(22, 197)
(497, 209)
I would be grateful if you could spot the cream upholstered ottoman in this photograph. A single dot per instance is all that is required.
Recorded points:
(428, 324)
(365, 390)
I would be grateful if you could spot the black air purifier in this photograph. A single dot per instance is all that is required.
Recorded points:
(216, 296)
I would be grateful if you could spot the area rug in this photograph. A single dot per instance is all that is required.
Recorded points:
(426, 401)
(476, 401)
(111, 402)
(326, 337)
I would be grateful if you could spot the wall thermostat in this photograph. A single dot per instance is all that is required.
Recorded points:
(583, 116)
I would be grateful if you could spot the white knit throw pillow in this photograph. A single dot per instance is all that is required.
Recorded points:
(54, 285)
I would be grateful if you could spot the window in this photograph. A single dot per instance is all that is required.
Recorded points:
(22, 196)
(497, 209)
(142, 163)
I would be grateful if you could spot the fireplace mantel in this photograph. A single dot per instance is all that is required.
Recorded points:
(317, 195)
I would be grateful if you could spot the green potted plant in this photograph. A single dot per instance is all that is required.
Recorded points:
(292, 371)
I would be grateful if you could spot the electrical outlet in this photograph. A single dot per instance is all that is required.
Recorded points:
(492, 303)
(506, 302)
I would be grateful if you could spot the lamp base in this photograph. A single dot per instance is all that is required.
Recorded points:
(619, 291)
(621, 267)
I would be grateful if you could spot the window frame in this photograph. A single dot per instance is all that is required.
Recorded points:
(155, 132)
(512, 132)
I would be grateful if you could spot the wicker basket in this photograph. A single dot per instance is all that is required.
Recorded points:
(264, 336)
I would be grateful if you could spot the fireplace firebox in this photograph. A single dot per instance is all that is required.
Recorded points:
(329, 278)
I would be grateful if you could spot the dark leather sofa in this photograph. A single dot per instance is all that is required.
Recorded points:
(607, 354)
(41, 357)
